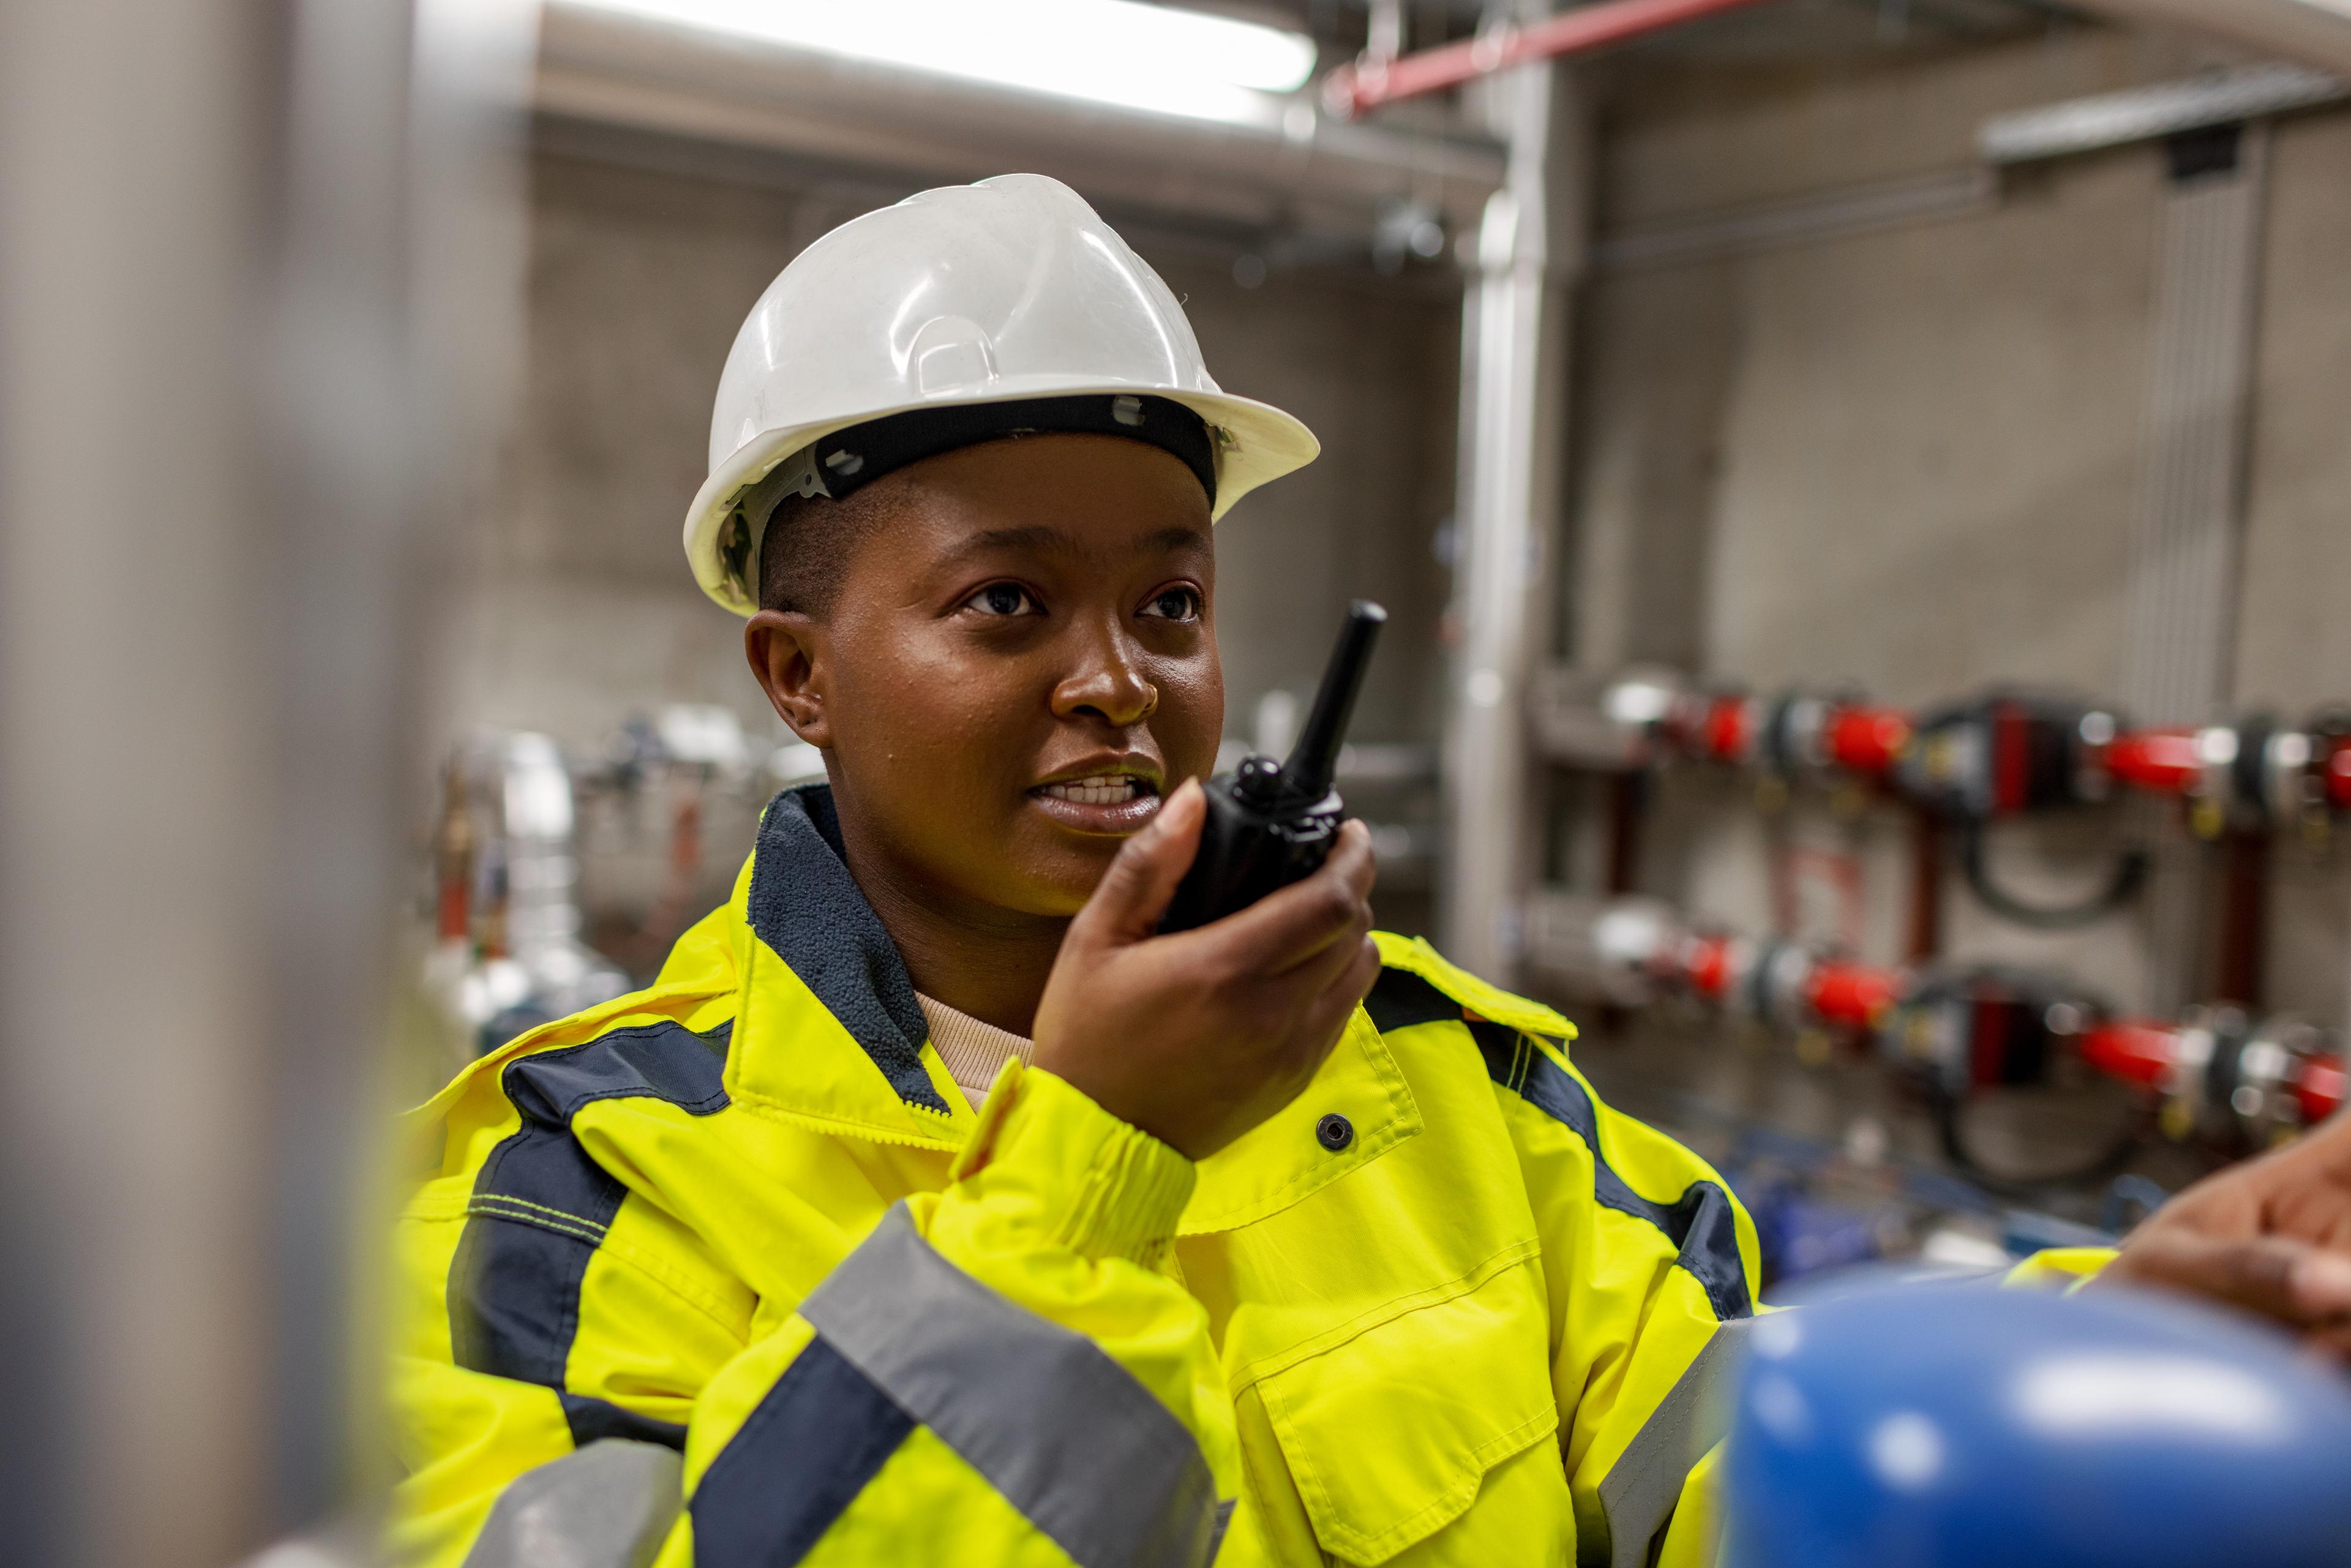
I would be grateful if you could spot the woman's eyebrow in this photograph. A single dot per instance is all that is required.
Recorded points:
(1177, 538)
(1042, 537)
(1035, 536)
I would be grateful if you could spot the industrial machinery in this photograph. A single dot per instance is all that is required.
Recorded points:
(508, 954)
(1998, 755)
(1954, 1032)
(522, 933)
(1989, 758)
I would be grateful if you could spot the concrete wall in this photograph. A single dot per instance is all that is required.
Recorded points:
(571, 608)
(1904, 460)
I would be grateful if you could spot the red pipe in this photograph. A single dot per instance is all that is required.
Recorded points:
(2145, 1053)
(1728, 730)
(2160, 761)
(1867, 740)
(2337, 772)
(1356, 90)
(2011, 761)
(1926, 932)
(1851, 996)
(1707, 968)
(2135, 1051)
(2320, 1089)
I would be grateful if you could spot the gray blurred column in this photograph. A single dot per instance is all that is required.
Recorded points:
(1514, 338)
(227, 370)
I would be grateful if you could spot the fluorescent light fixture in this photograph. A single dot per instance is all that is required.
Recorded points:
(1157, 57)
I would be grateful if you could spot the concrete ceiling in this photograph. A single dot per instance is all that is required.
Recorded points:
(2314, 32)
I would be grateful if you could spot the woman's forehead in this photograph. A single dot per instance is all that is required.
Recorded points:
(1073, 497)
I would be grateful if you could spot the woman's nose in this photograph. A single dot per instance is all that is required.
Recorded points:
(1108, 685)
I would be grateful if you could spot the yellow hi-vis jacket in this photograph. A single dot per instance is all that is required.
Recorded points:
(727, 1272)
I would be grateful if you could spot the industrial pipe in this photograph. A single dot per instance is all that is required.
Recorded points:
(632, 88)
(1370, 83)
(2274, 1077)
(1997, 755)
(2315, 31)
(2216, 1073)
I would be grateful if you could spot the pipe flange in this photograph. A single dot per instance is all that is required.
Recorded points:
(2262, 1096)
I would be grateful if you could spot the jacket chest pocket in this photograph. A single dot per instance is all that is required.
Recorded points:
(1389, 1435)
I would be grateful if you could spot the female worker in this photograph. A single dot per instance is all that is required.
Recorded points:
(929, 1207)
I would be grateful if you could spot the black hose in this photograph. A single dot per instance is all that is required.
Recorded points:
(2130, 875)
(1946, 1106)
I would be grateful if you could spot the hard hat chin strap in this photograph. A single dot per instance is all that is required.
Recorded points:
(837, 466)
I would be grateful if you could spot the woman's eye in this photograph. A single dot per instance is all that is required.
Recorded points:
(1175, 604)
(1003, 599)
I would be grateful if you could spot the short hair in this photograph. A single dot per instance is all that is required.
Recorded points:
(809, 540)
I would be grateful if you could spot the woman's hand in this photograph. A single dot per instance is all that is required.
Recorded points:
(2272, 1236)
(1198, 1036)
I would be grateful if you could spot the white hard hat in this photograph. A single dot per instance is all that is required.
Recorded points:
(1007, 291)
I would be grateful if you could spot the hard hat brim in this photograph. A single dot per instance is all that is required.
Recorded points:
(1258, 444)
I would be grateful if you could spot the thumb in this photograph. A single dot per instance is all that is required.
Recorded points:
(1133, 893)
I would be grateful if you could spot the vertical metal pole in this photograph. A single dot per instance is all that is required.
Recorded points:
(223, 372)
(1513, 426)
(133, 789)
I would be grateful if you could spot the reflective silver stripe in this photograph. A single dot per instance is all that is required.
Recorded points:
(610, 1505)
(1067, 1435)
(1641, 1488)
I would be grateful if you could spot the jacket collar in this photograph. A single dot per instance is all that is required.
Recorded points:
(827, 1029)
(808, 911)
(828, 1034)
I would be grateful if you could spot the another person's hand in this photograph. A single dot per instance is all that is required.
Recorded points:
(1198, 1036)
(2272, 1236)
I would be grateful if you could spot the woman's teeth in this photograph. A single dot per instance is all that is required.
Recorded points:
(1109, 790)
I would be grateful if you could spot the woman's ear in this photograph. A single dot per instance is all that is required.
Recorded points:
(789, 658)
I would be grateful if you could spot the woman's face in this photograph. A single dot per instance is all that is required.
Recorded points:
(1019, 662)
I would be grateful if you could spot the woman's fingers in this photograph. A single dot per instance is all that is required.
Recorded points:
(1135, 892)
(2295, 1284)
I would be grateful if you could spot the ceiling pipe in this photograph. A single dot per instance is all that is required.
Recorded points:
(1371, 83)
(684, 88)
(2315, 31)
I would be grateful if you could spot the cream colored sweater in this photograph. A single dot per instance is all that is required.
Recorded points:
(974, 1051)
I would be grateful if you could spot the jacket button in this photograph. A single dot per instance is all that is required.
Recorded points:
(1335, 1132)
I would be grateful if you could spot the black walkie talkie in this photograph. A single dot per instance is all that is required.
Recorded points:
(1271, 824)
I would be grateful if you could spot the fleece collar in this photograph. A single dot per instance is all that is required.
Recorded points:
(828, 1030)
(803, 904)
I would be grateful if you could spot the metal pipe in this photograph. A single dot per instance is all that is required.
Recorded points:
(2243, 936)
(701, 97)
(1923, 932)
(138, 1256)
(2218, 1073)
(1513, 390)
(202, 797)
(2319, 33)
(1356, 89)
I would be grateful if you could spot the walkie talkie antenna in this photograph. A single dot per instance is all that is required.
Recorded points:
(1315, 760)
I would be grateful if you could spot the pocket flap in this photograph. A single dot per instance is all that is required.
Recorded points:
(1389, 1435)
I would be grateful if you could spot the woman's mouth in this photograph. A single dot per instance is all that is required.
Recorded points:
(1103, 790)
(1114, 803)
